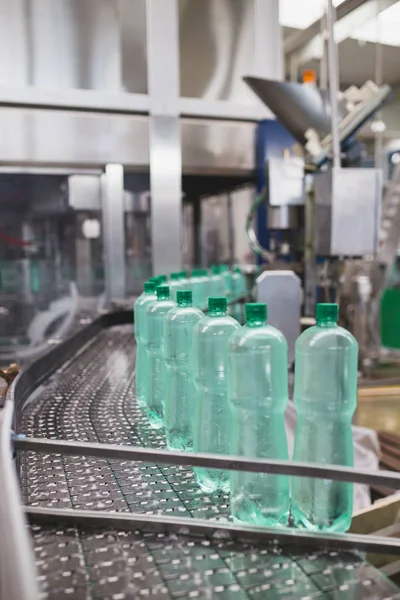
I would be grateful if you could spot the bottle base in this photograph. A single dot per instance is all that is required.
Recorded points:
(338, 525)
(178, 443)
(261, 521)
(212, 480)
(258, 512)
(154, 419)
(140, 401)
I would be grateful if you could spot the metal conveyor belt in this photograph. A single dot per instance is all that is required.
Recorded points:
(91, 398)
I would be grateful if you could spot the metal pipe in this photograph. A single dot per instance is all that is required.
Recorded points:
(333, 82)
(234, 463)
(187, 526)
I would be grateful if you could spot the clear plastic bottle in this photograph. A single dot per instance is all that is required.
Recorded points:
(211, 429)
(258, 396)
(206, 281)
(239, 286)
(179, 388)
(174, 285)
(226, 275)
(184, 283)
(155, 386)
(139, 310)
(197, 287)
(239, 290)
(216, 283)
(325, 395)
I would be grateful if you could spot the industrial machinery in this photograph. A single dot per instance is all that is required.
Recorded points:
(322, 209)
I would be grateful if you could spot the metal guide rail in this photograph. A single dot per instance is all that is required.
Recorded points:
(113, 515)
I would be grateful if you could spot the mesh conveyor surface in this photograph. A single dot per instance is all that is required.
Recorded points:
(91, 398)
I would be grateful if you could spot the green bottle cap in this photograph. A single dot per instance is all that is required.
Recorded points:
(217, 304)
(162, 278)
(224, 268)
(237, 270)
(256, 311)
(182, 274)
(203, 272)
(327, 313)
(149, 287)
(184, 297)
(215, 269)
(195, 273)
(174, 276)
(162, 292)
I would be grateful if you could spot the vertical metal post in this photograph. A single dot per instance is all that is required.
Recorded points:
(165, 134)
(197, 258)
(333, 81)
(323, 63)
(231, 230)
(378, 80)
(112, 194)
(310, 279)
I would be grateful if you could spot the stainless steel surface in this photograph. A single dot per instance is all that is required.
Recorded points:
(268, 41)
(41, 137)
(217, 148)
(233, 463)
(222, 41)
(224, 110)
(165, 184)
(163, 56)
(90, 397)
(333, 78)
(165, 524)
(74, 44)
(112, 195)
(165, 134)
(126, 103)
(15, 547)
(80, 139)
(74, 99)
(347, 212)
(281, 291)
(133, 30)
(298, 107)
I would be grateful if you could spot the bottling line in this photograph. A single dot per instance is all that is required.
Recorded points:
(124, 169)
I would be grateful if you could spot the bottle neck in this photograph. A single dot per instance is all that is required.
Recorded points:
(255, 323)
(217, 313)
(326, 323)
(184, 304)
